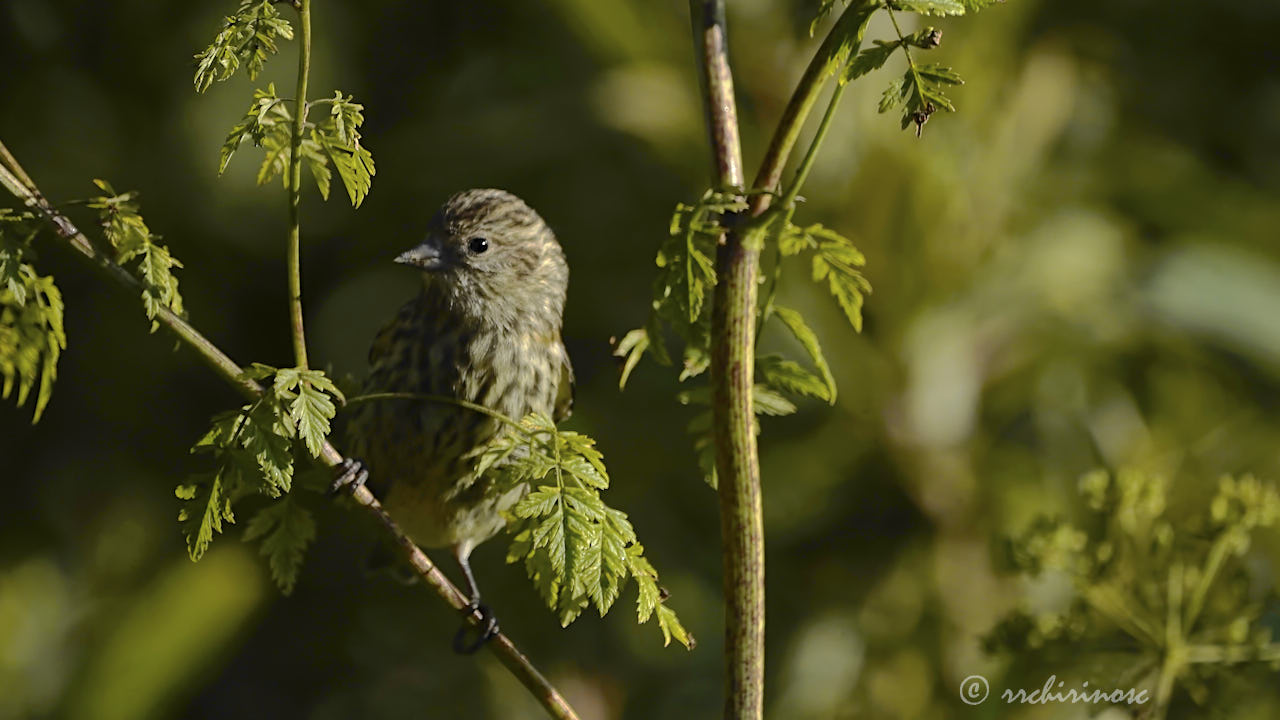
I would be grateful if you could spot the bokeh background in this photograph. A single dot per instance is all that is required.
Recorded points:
(1079, 269)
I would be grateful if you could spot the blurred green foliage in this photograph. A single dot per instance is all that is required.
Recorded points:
(1076, 270)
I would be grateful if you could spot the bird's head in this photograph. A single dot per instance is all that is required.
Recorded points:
(490, 255)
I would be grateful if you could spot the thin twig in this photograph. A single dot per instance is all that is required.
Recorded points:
(230, 371)
(294, 251)
(806, 163)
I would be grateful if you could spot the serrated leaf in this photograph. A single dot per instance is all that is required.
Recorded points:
(285, 528)
(311, 411)
(671, 628)
(870, 59)
(788, 376)
(537, 504)
(940, 74)
(355, 168)
(768, 402)
(646, 577)
(808, 339)
(247, 38)
(576, 550)
(267, 116)
(892, 96)
(132, 239)
(318, 164)
(206, 506)
(267, 438)
(931, 7)
(32, 337)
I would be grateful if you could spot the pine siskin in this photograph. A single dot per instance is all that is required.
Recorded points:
(485, 329)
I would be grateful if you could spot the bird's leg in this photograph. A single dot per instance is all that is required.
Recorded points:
(352, 475)
(488, 623)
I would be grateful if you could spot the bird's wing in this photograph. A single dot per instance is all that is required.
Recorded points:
(564, 395)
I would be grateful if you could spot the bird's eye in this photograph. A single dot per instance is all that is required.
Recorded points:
(478, 245)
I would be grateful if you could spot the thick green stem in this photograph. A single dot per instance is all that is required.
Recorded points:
(16, 181)
(293, 253)
(732, 367)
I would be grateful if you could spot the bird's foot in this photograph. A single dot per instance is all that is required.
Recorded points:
(488, 629)
(352, 475)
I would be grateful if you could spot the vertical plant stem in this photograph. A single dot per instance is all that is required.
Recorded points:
(293, 252)
(733, 327)
(732, 366)
(716, 80)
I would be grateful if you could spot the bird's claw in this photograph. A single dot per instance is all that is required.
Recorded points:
(352, 475)
(488, 629)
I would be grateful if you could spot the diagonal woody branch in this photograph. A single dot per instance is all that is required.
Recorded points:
(17, 182)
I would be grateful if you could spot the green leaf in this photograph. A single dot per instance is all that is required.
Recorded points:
(285, 528)
(939, 74)
(649, 600)
(931, 7)
(671, 628)
(338, 139)
(893, 95)
(809, 341)
(276, 158)
(249, 37)
(310, 407)
(923, 93)
(266, 437)
(976, 5)
(646, 581)
(872, 58)
(837, 261)
(616, 534)
(788, 376)
(15, 251)
(132, 239)
(206, 506)
(631, 347)
(577, 550)
(686, 258)
(318, 164)
(267, 116)
(32, 335)
(768, 402)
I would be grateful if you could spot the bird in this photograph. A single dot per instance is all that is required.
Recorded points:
(484, 328)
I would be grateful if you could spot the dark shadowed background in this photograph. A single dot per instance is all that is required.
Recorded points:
(1079, 269)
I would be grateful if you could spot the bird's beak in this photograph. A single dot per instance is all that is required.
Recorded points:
(426, 256)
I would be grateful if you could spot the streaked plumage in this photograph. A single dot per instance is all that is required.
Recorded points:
(485, 328)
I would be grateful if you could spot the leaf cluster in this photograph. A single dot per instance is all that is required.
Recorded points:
(577, 550)
(132, 240)
(1172, 585)
(254, 454)
(268, 124)
(32, 335)
(921, 90)
(248, 37)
